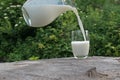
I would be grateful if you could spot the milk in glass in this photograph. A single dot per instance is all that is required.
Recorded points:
(80, 48)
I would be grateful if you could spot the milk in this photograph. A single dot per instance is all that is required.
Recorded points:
(80, 48)
(42, 15)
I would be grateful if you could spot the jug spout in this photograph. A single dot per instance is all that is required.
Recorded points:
(38, 14)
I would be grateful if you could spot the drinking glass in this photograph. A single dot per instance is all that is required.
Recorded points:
(80, 46)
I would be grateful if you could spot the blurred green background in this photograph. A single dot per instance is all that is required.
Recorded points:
(21, 42)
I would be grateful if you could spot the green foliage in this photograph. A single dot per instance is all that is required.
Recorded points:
(34, 58)
(20, 42)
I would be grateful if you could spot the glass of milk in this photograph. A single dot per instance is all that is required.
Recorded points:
(80, 47)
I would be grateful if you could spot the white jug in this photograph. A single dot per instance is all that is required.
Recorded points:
(38, 13)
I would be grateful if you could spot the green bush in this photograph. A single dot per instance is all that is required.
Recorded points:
(21, 42)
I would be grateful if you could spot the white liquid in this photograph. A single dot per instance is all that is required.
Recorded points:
(80, 23)
(80, 48)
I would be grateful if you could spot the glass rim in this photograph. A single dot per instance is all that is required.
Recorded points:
(76, 35)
